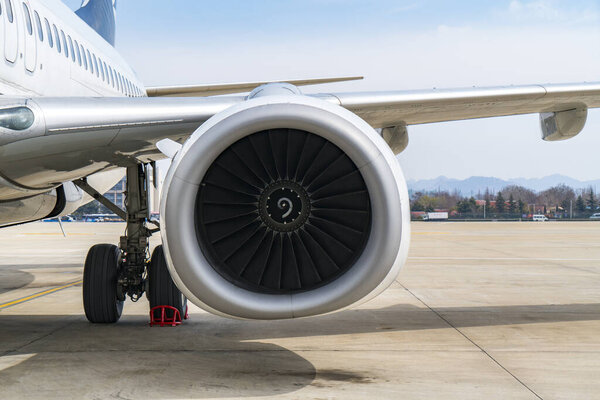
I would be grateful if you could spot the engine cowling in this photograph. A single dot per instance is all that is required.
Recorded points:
(284, 206)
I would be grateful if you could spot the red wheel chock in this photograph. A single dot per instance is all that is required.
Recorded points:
(163, 320)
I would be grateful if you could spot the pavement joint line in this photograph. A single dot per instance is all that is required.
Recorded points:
(503, 258)
(307, 350)
(471, 340)
(594, 272)
(38, 295)
(52, 332)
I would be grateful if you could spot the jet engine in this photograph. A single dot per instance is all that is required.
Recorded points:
(284, 206)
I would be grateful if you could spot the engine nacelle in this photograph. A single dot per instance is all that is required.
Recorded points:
(283, 207)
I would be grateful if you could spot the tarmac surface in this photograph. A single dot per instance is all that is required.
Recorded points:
(481, 311)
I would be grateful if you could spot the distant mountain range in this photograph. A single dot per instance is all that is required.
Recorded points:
(476, 184)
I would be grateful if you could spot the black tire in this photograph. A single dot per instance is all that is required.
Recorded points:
(100, 275)
(161, 288)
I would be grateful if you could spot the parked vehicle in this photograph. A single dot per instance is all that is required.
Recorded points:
(66, 218)
(540, 218)
(435, 216)
(595, 216)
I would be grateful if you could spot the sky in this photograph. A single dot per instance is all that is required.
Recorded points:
(396, 45)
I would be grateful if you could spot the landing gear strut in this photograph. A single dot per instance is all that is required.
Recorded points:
(134, 244)
(111, 273)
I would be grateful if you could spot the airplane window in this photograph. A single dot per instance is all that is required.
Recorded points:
(109, 73)
(64, 42)
(78, 53)
(28, 20)
(49, 33)
(112, 76)
(83, 57)
(101, 69)
(106, 72)
(9, 11)
(96, 65)
(71, 48)
(89, 58)
(56, 39)
(38, 24)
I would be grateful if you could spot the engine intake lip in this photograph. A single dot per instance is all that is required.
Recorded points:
(282, 211)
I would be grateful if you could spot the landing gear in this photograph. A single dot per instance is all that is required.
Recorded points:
(114, 273)
(163, 292)
(100, 275)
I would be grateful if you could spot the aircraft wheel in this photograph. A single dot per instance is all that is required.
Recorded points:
(161, 288)
(100, 275)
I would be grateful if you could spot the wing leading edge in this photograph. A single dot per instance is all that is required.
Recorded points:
(383, 109)
(232, 88)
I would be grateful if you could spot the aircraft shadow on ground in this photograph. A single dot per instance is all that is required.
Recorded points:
(403, 317)
(12, 279)
(66, 357)
(212, 356)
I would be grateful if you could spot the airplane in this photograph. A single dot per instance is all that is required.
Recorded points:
(276, 205)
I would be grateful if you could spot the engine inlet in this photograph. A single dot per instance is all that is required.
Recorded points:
(282, 211)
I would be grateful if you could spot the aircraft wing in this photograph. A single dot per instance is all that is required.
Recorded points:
(74, 137)
(231, 88)
(383, 109)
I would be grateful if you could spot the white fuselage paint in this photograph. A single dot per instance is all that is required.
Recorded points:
(47, 50)
(31, 67)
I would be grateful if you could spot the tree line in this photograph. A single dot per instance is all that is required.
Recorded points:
(512, 201)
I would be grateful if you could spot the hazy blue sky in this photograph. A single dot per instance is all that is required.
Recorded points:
(395, 45)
